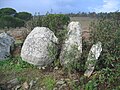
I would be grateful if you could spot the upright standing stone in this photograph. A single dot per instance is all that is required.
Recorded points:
(93, 56)
(72, 48)
(38, 47)
(6, 45)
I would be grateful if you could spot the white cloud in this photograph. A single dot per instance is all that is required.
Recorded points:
(108, 6)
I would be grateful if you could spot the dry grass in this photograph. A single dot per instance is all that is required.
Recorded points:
(85, 22)
(17, 33)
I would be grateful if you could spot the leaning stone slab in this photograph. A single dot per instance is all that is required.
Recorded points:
(6, 45)
(38, 46)
(72, 48)
(93, 56)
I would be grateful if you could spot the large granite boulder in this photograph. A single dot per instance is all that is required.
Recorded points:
(6, 45)
(39, 47)
(93, 56)
(72, 48)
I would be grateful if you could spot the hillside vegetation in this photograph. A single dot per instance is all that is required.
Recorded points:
(106, 75)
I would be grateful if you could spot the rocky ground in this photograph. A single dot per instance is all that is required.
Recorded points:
(25, 77)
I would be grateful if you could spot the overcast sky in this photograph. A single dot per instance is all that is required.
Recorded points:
(63, 6)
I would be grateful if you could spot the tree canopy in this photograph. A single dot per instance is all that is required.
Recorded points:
(10, 18)
(8, 11)
(24, 15)
(9, 21)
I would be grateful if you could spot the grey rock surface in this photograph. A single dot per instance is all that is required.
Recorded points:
(38, 47)
(6, 45)
(93, 56)
(72, 42)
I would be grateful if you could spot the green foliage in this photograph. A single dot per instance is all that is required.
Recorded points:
(24, 15)
(91, 85)
(8, 11)
(35, 21)
(22, 79)
(107, 31)
(74, 86)
(10, 18)
(106, 78)
(72, 59)
(0, 14)
(16, 64)
(49, 82)
(7, 21)
(55, 22)
(72, 56)
(86, 45)
(52, 51)
(19, 22)
(10, 21)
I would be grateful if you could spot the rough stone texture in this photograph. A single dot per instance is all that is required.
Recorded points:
(35, 49)
(74, 39)
(6, 45)
(93, 56)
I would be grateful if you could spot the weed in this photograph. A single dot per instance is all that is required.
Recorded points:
(16, 64)
(108, 32)
(21, 79)
(91, 85)
(48, 82)
(72, 58)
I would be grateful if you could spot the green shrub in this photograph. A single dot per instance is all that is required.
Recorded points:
(8, 11)
(19, 22)
(107, 31)
(55, 22)
(7, 21)
(10, 18)
(91, 85)
(24, 16)
(0, 13)
(15, 63)
(48, 82)
(10, 21)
